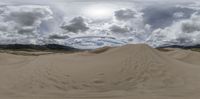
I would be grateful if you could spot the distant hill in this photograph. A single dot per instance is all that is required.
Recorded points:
(56, 47)
(32, 47)
(181, 46)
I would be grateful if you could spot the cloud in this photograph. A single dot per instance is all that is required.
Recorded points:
(192, 25)
(179, 15)
(158, 24)
(23, 19)
(57, 36)
(161, 16)
(125, 14)
(184, 32)
(119, 29)
(76, 25)
(26, 29)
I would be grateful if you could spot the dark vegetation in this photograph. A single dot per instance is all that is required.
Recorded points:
(193, 47)
(31, 47)
(36, 50)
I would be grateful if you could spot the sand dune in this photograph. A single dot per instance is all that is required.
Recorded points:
(127, 72)
(187, 56)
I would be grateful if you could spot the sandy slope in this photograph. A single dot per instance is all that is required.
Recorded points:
(187, 56)
(128, 72)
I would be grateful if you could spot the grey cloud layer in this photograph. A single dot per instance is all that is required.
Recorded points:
(22, 23)
(156, 25)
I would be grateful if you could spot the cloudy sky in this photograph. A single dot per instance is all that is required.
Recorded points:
(95, 23)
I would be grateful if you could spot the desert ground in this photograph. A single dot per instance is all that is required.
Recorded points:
(126, 72)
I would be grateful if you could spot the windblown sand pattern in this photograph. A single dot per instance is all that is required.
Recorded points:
(127, 72)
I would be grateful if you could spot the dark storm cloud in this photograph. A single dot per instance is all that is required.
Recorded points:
(125, 14)
(161, 16)
(76, 25)
(56, 36)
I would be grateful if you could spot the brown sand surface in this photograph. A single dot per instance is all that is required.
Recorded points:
(187, 56)
(127, 72)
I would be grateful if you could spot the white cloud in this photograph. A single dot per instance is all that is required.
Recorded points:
(178, 15)
(184, 32)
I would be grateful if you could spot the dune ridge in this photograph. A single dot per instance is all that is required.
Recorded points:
(187, 56)
(127, 72)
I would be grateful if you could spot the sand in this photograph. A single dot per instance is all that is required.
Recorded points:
(127, 72)
(187, 56)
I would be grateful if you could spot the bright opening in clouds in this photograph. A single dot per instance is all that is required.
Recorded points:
(98, 12)
(91, 24)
